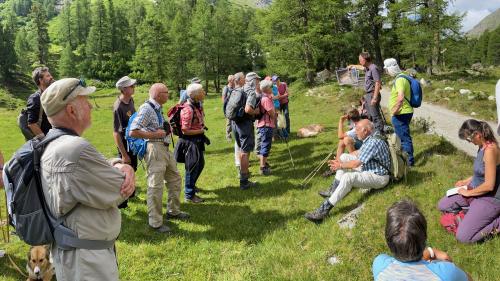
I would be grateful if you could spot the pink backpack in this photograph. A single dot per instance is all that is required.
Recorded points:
(450, 221)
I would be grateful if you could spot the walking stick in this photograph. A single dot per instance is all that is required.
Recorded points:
(311, 175)
(287, 146)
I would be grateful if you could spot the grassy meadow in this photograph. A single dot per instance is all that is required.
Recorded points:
(260, 233)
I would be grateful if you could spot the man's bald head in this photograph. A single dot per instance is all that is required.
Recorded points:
(159, 92)
(364, 128)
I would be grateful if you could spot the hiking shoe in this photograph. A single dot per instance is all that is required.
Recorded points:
(179, 216)
(247, 185)
(265, 171)
(195, 199)
(162, 229)
(267, 165)
(330, 191)
(320, 213)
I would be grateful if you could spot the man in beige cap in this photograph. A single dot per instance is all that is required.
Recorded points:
(80, 185)
(160, 162)
(123, 108)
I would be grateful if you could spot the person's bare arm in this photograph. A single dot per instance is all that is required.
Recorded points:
(121, 148)
(158, 134)
(35, 129)
(376, 92)
(340, 131)
(490, 164)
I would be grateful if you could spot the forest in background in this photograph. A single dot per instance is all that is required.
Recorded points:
(174, 40)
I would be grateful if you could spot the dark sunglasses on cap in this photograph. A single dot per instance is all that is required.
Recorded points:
(81, 82)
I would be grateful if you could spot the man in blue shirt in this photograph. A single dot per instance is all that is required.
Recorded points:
(363, 168)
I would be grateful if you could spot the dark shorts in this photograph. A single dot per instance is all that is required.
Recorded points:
(244, 135)
(266, 139)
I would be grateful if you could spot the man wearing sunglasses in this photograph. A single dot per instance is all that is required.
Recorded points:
(80, 186)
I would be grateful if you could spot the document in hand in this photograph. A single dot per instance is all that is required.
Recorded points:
(453, 191)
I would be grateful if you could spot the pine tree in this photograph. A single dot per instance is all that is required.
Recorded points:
(8, 57)
(98, 43)
(203, 47)
(180, 48)
(493, 53)
(38, 19)
(67, 62)
(150, 61)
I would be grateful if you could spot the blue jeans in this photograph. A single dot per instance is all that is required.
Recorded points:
(192, 176)
(402, 127)
(284, 110)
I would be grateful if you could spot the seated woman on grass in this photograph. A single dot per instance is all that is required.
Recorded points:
(480, 194)
(406, 236)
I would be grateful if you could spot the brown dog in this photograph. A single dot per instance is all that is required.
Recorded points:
(39, 266)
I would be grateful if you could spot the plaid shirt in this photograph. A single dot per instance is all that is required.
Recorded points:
(375, 148)
(147, 119)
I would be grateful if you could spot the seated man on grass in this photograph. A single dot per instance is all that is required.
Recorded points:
(363, 169)
(347, 140)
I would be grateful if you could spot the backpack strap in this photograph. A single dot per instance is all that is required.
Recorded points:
(64, 237)
(409, 81)
(158, 113)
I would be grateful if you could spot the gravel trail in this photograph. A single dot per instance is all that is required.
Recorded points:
(447, 122)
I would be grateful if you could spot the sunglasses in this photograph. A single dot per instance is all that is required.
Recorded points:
(469, 138)
(81, 82)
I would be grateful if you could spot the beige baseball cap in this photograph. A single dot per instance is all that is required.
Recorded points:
(61, 92)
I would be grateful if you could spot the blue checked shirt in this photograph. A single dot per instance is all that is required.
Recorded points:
(375, 148)
(147, 119)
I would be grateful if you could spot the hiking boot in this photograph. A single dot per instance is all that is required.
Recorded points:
(267, 165)
(197, 189)
(195, 199)
(162, 229)
(179, 216)
(330, 191)
(265, 171)
(247, 184)
(320, 213)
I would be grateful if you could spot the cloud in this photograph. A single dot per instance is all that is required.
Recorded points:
(476, 11)
(472, 18)
(477, 5)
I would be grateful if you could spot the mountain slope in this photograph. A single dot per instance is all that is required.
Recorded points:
(490, 22)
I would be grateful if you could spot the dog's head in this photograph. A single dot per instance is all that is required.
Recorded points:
(38, 259)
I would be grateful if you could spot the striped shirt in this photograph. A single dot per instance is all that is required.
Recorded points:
(373, 153)
(149, 119)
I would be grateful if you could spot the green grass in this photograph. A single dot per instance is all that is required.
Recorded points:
(260, 234)
(481, 86)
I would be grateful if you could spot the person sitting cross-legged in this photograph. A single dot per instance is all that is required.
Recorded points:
(363, 169)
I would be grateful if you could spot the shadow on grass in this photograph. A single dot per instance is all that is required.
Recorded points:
(225, 223)
(443, 147)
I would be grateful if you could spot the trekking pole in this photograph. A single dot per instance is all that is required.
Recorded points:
(289, 152)
(309, 177)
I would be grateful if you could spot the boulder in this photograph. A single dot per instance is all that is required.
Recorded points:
(491, 97)
(473, 113)
(310, 130)
(425, 83)
(333, 260)
(323, 76)
(350, 219)
(464, 91)
(449, 89)
(471, 97)
(477, 66)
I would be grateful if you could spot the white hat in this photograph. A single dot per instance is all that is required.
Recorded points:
(392, 66)
(124, 82)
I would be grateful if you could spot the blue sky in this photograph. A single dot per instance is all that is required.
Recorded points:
(476, 10)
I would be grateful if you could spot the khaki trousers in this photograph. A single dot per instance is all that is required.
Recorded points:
(161, 170)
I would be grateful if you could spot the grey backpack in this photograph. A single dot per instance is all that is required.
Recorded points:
(28, 210)
(235, 107)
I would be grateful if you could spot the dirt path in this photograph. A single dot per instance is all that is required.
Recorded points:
(447, 122)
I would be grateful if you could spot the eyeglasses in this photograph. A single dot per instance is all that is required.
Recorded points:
(81, 82)
(469, 138)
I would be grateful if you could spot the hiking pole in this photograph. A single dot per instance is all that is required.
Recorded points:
(289, 152)
(309, 177)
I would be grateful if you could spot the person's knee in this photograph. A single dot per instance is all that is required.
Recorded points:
(344, 157)
(463, 235)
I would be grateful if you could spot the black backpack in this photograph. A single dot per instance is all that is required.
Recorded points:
(29, 213)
